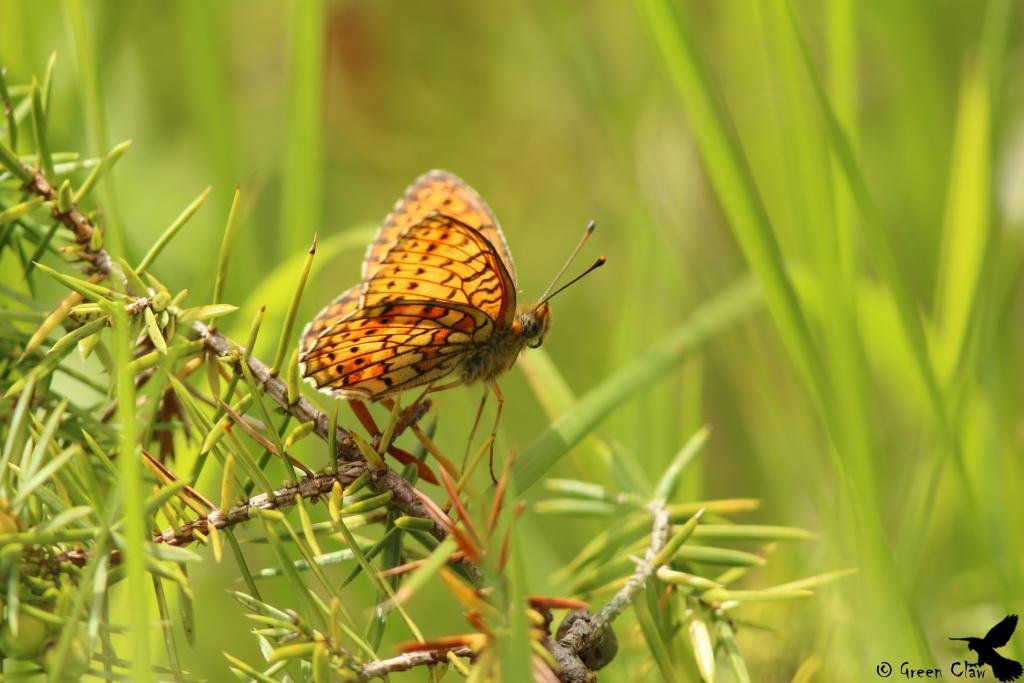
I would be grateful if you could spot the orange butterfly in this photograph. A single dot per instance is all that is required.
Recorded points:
(437, 302)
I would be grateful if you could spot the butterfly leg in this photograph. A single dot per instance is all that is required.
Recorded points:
(423, 394)
(362, 413)
(497, 419)
(472, 432)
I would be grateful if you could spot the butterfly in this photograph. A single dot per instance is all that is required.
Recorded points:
(437, 305)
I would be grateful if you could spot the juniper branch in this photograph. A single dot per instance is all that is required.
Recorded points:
(101, 264)
(310, 488)
(383, 667)
(304, 411)
(582, 635)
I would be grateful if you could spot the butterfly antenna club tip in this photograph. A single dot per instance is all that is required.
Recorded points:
(548, 293)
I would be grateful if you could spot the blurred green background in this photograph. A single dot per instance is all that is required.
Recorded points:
(881, 405)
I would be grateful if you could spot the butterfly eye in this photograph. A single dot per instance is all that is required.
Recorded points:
(530, 327)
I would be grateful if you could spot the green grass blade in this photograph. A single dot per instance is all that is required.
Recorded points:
(556, 397)
(5, 102)
(171, 231)
(283, 343)
(306, 599)
(967, 224)
(302, 192)
(99, 170)
(877, 239)
(95, 115)
(708, 321)
(225, 248)
(130, 483)
(659, 650)
(669, 482)
(841, 36)
(735, 187)
(727, 639)
(275, 288)
(167, 627)
(17, 432)
(702, 647)
(39, 126)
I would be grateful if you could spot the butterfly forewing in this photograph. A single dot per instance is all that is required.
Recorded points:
(444, 193)
(439, 291)
(435, 191)
(444, 260)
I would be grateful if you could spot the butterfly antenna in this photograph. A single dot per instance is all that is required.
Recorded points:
(597, 264)
(583, 240)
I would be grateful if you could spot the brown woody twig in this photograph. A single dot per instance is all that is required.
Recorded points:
(585, 641)
(382, 667)
(101, 264)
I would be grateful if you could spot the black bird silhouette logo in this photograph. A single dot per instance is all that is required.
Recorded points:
(1002, 668)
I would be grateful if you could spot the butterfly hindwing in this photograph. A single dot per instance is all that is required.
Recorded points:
(388, 348)
(329, 315)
